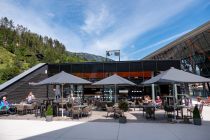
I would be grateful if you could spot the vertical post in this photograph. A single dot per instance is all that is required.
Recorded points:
(115, 87)
(119, 55)
(72, 91)
(175, 90)
(153, 89)
(47, 91)
(106, 56)
(204, 90)
(153, 92)
(62, 100)
(82, 92)
(174, 97)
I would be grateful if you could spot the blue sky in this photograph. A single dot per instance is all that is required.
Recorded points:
(136, 27)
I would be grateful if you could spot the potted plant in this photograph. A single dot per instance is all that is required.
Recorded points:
(49, 113)
(196, 116)
(123, 105)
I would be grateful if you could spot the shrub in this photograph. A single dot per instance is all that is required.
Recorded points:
(49, 111)
(123, 105)
(196, 113)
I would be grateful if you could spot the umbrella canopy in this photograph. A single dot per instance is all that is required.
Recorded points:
(62, 78)
(176, 76)
(114, 80)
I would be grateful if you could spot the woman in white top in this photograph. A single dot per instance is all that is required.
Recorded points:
(30, 97)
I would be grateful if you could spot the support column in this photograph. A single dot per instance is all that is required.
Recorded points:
(115, 88)
(153, 92)
(175, 91)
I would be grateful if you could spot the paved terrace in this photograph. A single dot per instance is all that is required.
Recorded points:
(99, 129)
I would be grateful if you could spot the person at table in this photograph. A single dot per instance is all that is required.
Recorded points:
(30, 98)
(5, 104)
(147, 99)
(57, 92)
(197, 102)
(158, 101)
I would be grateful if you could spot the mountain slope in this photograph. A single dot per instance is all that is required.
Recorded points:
(21, 49)
(90, 57)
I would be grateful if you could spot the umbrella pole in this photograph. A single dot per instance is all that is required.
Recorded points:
(62, 101)
(115, 93)
(174, 102)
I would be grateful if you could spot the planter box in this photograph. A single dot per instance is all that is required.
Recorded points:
(197, 121)
(49, 118)
(122, 119)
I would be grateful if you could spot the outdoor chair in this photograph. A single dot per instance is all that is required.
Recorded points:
(4, 110)
(131, 105)
(118, 112)
(76, 111)
(20, 108)
(69, 108)
(207, 101)
(200, 108)
(168, 110)
(30, 108)
(86, 111)
(150, 113)
(109, 110)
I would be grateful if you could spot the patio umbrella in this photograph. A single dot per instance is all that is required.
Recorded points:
(62, 78)
(114, 80)
(174, 76)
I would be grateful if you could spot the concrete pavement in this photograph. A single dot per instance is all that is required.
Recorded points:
(41, 130)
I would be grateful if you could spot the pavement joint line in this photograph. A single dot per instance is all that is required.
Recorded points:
(118, 132)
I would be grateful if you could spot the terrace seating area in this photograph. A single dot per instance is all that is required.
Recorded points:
(146, 112)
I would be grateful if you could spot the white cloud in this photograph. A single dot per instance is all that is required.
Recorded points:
(50, 14)
(36, 22)
(105, 25)
(160, 43)
(145, 18)
(97, 20)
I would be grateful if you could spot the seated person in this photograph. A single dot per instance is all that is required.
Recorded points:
(158, 101)
(147, 99)
(30, 98)
(5, 104)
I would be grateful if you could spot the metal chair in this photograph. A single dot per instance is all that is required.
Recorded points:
(109, 110)
(20, 108)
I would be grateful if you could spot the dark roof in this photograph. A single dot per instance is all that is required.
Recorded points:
(20, 76)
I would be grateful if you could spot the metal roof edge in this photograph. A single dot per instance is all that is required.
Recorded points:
(20, 76)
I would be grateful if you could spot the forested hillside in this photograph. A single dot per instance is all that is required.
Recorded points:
(21, 49)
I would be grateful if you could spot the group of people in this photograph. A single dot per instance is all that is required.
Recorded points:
(147, 100)
(6, 106)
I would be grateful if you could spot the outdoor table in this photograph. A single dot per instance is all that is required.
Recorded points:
(56, 105)
(181, 107)
(25, 106)
(80, 106)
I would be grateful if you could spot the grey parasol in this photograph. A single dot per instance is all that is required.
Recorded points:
(62, 78)
(114, 80)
